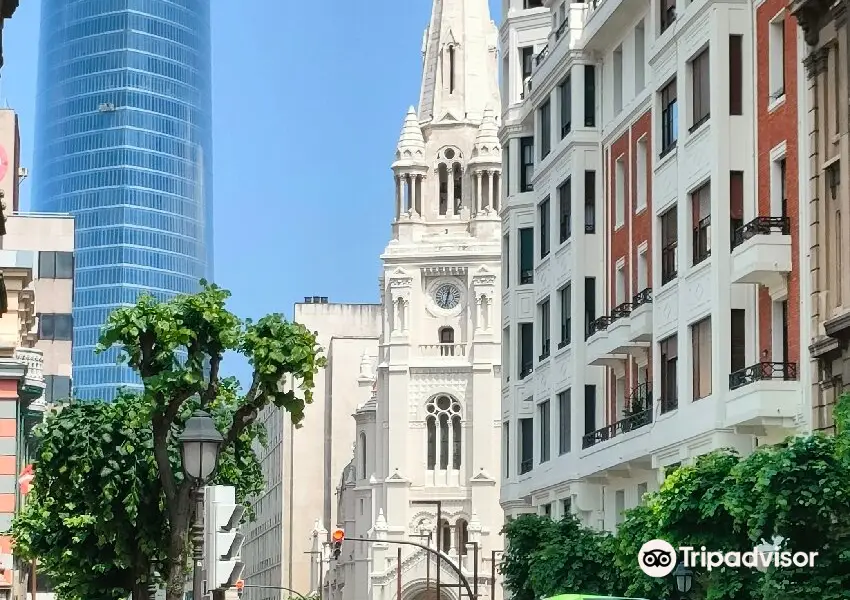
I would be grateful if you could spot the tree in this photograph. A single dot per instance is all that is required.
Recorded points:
(545, 558)
(177, 348)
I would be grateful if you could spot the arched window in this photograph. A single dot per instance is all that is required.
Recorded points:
(457, 174)
(451, 69)
(447, 341)
(462, 531)
(443, 174)
(363, 473)
(445, 536)
(443, 424)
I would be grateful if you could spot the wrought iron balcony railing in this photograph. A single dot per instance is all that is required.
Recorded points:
(761, 226)
(642, 297)
(763, 371)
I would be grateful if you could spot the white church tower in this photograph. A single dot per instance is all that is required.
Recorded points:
(431, 431)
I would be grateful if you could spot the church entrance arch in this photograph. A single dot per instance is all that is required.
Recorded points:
(425, 594)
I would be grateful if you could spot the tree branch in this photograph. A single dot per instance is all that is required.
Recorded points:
(212, 388)
(161, 429)
(147, 340)
(245, 414)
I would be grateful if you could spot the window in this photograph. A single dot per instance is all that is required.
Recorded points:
(564, 422)
(526, 4)
(701, 356)
(526, 173)
(667, 10)
(566, 302)
(736, 75)
(641, 165)
(669, 245)
(701, 215)
(642, 489)
(55, 327)
(736, 203)
(526, 349)
(565, 96)
(618, 80)
(545, 430)
(57, 387)
(619, 192)
(565, 210)
(545, 329)
(462, 530)
(619, 506)
(545, 115)
(590, 201)
(669, 118)
(446, 536)
(620, 284)
(527, 58)
(640, 57)
(447, 341)
(444, 432)
(451, 52)
(362, 455)
(669, 374)
(589, 409)
(776, 56)
(506, 260)
(506, 160)
(545, 233)
(526, 441)
(700, 90)
(589, 304)
(738, 340)
(643, 269)
(506, 353)
(782, 176)
(547, 509)
(55, 265)
(566, 507)
(506, 440)
(589, 96)
(526, 256)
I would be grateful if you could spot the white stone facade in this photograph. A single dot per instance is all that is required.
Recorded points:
(300, 465)
(430, 430)
(605, 297)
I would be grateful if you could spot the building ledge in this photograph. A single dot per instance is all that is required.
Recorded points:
(823, 346)
(838, 327)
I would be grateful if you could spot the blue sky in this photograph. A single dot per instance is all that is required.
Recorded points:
(308, 101)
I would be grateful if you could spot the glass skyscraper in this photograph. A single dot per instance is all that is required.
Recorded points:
(124, 143)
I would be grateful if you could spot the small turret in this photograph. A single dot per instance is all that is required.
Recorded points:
(409, 168)
(486, 165)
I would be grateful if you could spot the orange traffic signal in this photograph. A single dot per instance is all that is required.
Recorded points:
(338, 535)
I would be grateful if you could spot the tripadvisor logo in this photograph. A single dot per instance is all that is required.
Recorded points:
(658, 558)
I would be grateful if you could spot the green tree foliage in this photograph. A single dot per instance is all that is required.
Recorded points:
(109, 503)
(797, 490)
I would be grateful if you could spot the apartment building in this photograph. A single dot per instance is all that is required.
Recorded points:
(676, 307)
(36, 293)
(824, 171)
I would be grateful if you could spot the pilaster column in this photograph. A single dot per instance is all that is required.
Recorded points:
(417, 186)
(450, 199)
(408, 182)
(479, 197)
(399, 193)
(497, 196)
(490, 181)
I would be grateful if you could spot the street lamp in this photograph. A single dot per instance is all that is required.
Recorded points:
(199, 446)
(684, 578)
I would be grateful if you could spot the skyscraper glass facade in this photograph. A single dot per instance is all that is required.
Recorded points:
(124, 143)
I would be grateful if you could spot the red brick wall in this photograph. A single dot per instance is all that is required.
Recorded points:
(774, 128)
(625, 241)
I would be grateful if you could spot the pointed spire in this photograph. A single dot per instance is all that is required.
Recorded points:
(460, 71)
(381, 521)
(411, 143)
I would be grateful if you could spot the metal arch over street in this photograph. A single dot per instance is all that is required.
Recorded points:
(443, 557)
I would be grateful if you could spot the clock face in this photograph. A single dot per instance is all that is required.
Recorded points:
(447, 296)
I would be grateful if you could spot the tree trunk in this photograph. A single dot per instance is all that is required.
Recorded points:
(140, 591)
(175, 583)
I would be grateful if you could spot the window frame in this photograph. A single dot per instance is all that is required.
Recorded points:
(544, 410)
(700, 339)
(669, 228)
(565, 97)
(701, 234)
(545, 115)
(566, 306)
(669, 117)
(526, 168)
(669, 381)
(545, 312)
(590, 201)
(667, 14)
(565, 210)
(526, 256)
(564, 421)
(700, 67)
(544, 210)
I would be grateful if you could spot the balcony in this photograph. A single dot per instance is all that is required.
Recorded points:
(761, 253)
(626, 331)
(443, 350)
(640, 415)
(766, 394)
(640, 320)
(34, 361)
(607, 19)
(600, 343)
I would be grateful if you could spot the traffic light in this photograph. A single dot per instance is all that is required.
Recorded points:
(223, 542)
(336, 538)
(240, 587)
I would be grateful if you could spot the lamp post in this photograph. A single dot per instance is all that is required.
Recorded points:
(684, 579)
(200, 443)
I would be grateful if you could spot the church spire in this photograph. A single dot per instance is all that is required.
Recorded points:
(459, 75)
